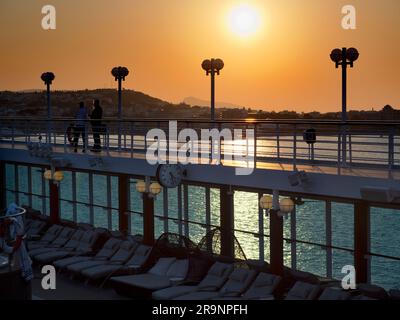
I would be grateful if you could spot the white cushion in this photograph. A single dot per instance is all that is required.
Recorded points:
(179, 269)
(162, 266)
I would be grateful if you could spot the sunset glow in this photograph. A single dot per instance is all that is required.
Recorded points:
(244, 20)
(276, 53)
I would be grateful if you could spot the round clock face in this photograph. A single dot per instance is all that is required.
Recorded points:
(170, 175)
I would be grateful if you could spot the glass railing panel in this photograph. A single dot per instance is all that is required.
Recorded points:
(311, 258)
(343, 225)
(310, 221)
(66, 210)
(341, 258)
(385, 272)
(100, 190)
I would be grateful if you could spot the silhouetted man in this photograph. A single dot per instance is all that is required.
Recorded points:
(95, 117)
(80, 126)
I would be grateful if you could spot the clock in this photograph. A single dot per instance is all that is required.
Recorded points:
(170, 175)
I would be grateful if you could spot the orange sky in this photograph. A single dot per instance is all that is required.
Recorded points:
(283, 65)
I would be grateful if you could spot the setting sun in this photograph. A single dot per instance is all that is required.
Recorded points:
(244, 20)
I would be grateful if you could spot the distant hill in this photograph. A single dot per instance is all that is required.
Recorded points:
(138, 105)
(193, 101)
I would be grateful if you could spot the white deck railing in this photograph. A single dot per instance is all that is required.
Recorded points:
(350, 144)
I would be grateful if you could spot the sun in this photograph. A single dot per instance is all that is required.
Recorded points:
(244, 20)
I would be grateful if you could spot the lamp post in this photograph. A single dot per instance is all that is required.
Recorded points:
(149, 191)
(48, 78)
(119, 73)
(212, 67)
(276, 210)
(344, 57)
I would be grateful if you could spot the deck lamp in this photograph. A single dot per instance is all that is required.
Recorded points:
(48, 175)
(212, 67)
(344, 57)
(266, 202)
(141, 186)
(47, 78)
(54, 176)
(58, 176)
(285, 206)
(119, 74)
(155, 188)
(152, 189)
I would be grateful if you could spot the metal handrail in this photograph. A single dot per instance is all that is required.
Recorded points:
(242, 121)
(342, 144)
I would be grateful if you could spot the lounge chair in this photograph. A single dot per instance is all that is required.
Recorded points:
(34, 228)
(165, 273)
(262, 288)
(63, 237)
(69, 245)
(238, 281)
(81, 243)
(303, 291)
(133, 265)
(333, 293)
(47, 238)
(108, 249)
(213, 281)
(124, 252)
(372, 291)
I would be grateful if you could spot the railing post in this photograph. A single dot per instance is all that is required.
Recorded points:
(65, 138)
(107, 140)
(226, 222)
(261, 242)
(12, 133)
(255, 145)
(123, 189)
(3, 201)
(361, 240)
(54, 202)
(391, 149)
(132, 137)
(344, 145)
(295, 148)
(339, 151)
(276, 240)
(350, 150)
(148, 219)
(278, 148)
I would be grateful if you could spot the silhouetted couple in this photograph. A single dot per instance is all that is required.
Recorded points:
(80, 126)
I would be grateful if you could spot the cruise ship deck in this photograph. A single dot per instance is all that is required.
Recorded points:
(342, 180)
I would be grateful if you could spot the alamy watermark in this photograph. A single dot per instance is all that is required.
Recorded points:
(349, 21)
(349, 280)
(49, 278)
(202, 146)
(49, 19)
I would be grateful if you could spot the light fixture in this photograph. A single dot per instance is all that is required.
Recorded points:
(344, 57)
(152, 189)
(212, 67)
(155, 188)
(58, 176)
(271, 205)
(286, 206)
(54, 176)
(119, 74)
(48, 175)
(266, 202)
(141, 186)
